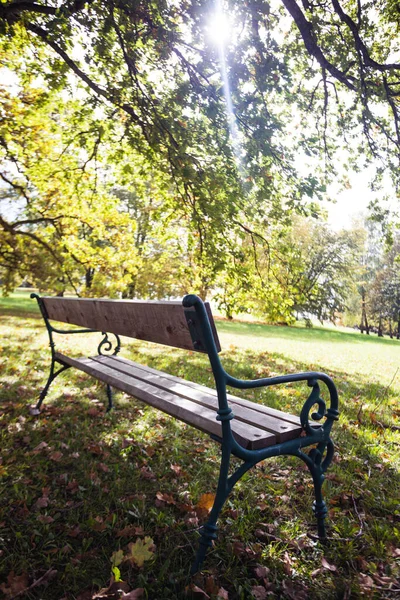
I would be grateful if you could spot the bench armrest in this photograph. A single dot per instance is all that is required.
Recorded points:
(312, 378)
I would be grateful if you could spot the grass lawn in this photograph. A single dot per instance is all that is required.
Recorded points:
(78, 486)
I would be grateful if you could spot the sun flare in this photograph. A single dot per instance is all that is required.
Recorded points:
(219, 28)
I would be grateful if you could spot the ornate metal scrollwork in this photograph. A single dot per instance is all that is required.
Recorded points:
(313, 399)
(317, 455)
(107, 345)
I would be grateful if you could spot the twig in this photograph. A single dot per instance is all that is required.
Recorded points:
(43, 579)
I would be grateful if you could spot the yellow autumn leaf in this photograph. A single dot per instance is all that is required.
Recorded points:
(140, 551)
(206, 502)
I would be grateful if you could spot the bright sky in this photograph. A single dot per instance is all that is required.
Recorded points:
(353, 201)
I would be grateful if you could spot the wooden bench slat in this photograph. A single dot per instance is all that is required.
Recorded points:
(282, 429)
(190, 412)
(273, 412)
(159, 322)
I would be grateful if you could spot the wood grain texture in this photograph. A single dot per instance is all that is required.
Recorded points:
(234, 400)
(160, 322)
(192, 413)
(282, 429)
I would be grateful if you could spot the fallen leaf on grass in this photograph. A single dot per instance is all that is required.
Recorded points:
(147, 473)
(117, 558)
(130, 531)
(133, 595)
(56, 456)
(45, 519)
(196, 592)
(74, 532)
(167, 498)
(366, 582)
(103, 467)
(112, 592)
(211, 585)
(42, 502)
(19, 584)
(140, 551)
(261, 572)
(126, 442)
(259, 592)
(327, 565)
(296, 591)
(39, 447)
(15, 584)
(177, 469)
(205, 502)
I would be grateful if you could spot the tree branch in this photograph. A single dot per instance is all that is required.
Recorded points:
(307, 33)
(354, 28)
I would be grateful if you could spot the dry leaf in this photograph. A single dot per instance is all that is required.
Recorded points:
(117, 558)
(211, 587)
(133, 595)
(206, 502)
(56, 456)
(259, 592)
(140, 551)
(261, 572)
(167, 498)
(197, 592)
(130, 531)
(15, 584)
(177, 469)
(327, 565)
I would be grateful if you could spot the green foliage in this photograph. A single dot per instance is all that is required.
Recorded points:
(127, 174)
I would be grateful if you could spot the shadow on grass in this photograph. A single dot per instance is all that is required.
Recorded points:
(79, 485)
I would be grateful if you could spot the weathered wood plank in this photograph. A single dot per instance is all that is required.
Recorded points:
(282, 429)
(160, 322)
(190, 412)
(273, 412)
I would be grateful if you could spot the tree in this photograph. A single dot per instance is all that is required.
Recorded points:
(50, 232)
(147, 77)
(385, 293)
(301, 269)
(150, 66)
(370, 264)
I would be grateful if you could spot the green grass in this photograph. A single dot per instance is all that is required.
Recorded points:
(74, 479)
(19, 303)
(325, 348)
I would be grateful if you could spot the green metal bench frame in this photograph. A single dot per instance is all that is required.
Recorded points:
(317, 459)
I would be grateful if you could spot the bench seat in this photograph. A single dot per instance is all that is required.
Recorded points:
(255, 426)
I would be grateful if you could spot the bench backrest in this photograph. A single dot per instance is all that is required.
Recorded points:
(160, 322)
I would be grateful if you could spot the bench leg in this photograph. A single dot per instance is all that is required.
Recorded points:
(209, 530)
(225, 486)
(110, 399)
(53, 374)
(317, 469)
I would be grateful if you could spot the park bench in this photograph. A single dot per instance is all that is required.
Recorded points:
(250, 431)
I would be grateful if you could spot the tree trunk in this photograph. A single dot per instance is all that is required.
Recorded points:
(89, 277)
(380, 332)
